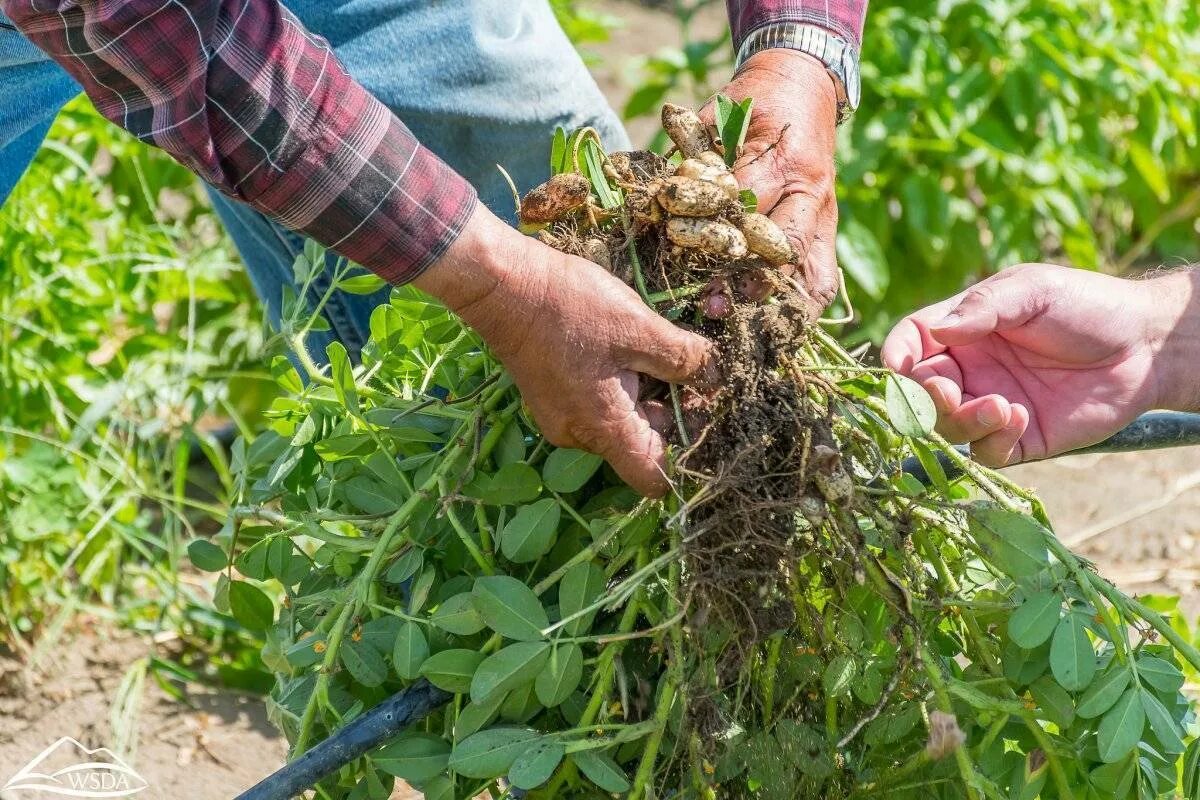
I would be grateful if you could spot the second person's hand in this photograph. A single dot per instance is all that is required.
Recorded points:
(1040, 360)
(575, 340)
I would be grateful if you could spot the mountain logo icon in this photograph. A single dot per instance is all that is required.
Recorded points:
(68, 769)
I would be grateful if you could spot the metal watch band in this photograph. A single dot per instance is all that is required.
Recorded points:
(838, 55)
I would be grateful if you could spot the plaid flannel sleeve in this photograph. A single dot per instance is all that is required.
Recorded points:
(248, 99)
(843, 17)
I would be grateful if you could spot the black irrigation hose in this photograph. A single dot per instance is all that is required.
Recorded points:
(375, 727)
(1156, 430)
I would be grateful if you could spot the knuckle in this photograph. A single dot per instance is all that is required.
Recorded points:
(588, 437)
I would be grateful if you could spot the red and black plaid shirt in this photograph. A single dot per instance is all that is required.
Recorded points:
(245, 97)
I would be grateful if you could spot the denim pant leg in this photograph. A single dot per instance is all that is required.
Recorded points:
(32, 91)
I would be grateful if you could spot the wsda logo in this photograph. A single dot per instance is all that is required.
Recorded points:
(68, 769)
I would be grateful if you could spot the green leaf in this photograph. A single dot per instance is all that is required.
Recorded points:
(1035, 620)
(601, 770)
(364, 662)
(558, 152)
(342, 373)
(458, 615)
(206, 556)
(452, 670)
(647, 98)
(1121, 728)
(279, 560)
(511, 447)
(910, 408)
(510, 608)
(1168, 730)
(419, 591)
(860, 253)
(733, 122)
(408, 564)
(488, 754)
(362, 284)
(410, 651)
(520, 705)
(1159, 674)
(475, 715)
(530, 534)
(536, 764)
(414, 757)
(580, 587)
(1191, 771)
(566, 470)
(371, 497)
(250, 606)
(507, 669)
(513, 484)
(749, 200)
(593, 168)
(1104, 691)
(1072, 658)
(839, 675)
(1054, 701)
(1151, 170)
(1013, 542)
(561, 676)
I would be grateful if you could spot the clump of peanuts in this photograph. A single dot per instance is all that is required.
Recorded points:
(696, 205)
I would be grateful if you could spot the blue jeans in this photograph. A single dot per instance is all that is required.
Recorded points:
(480, 82)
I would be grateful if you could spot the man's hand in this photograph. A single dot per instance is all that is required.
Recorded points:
(1040, 360)
(575, 340)
(788, 158)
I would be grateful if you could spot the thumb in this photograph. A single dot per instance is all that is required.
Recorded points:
(670, 353)
(995, 305)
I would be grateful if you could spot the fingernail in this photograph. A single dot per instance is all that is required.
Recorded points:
(948, 321)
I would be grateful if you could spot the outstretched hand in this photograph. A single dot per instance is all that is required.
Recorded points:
(1040, 360)
(788, 158)
(576, 341)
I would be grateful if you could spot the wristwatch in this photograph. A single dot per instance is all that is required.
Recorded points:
(838, 55)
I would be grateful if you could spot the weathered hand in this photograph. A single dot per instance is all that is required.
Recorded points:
(1040, 360)
(788, 158)
(575, 340)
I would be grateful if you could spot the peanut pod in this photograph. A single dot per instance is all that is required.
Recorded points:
(699, 170)
(709, 235)
(555, 198)
(766, 239)
(686, 130)
(691, 197)
(643, 206)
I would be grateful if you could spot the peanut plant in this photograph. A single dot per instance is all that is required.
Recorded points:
(817, 624)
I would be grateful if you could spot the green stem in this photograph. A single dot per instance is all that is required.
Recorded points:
(965, 768)
(645, 772)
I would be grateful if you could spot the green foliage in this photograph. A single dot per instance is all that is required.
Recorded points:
(127, 330)
(528, 582)
(992, 133)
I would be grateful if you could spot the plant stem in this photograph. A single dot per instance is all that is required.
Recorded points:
(645, 771)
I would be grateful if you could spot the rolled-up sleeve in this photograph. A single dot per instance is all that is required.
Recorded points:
(843, 17)
(256, 105)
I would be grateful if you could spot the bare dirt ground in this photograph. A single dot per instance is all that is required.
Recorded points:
(211, 748)
(1137, 516)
